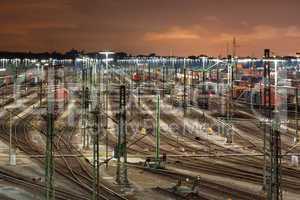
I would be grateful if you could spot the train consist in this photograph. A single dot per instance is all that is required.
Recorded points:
(61, 100)
(27, 78)
(247, 87)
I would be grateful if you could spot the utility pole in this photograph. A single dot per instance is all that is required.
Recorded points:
(41, 79)
(41, 91)
(10, 138)
(274, 192)
(49, 167)
(296, 114)
(272, 144)
(163, 80)
(184, 88)
(167, 72)
(234, 54)
(203, 88)
(175, 68)
(49, 155)
(234, 47)
(10, 130)
(265, 173)
(157, 132)
(139, 93)
(218, 81)
(122, 177)
(84, 105)
(25, 79)
(106, 119)
(229, 99)
(192, 87)
(149, 73)
(96, 132)
(12, 150)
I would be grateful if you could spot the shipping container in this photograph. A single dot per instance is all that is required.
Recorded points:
(136, 77)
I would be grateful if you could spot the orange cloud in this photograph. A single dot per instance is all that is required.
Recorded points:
(174, 33)
(196, 32)
(293, 31)
(260, 32)
(211, 18)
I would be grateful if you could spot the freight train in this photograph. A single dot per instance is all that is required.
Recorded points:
(27, 78)
(285, 96)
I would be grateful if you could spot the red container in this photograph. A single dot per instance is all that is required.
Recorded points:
(136, 77)
(62, 95)
(271, 97)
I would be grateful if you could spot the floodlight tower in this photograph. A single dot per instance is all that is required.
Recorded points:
(106, 60)
(106, 53)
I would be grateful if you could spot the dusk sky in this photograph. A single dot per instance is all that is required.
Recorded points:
(184, 27)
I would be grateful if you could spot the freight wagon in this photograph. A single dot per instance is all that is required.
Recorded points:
(61, 99)
(255, 96)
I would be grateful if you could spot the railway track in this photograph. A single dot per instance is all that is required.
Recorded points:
(217, 168)
(207, 167)
(82, 178)
(219, 190)
(34, 187)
